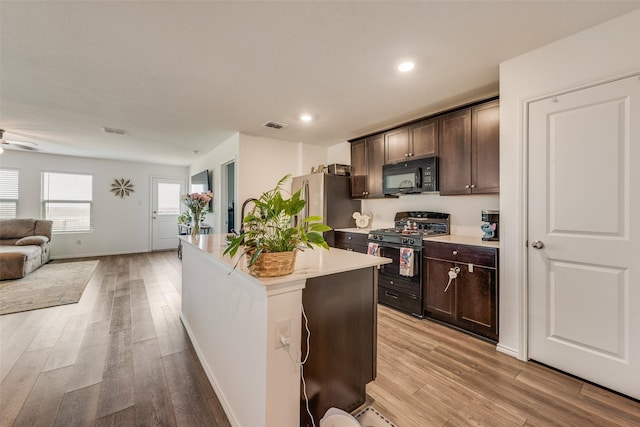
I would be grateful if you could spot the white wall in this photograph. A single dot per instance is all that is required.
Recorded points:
(339, 153)
(119, 225)
(263, 161)
(600, 53)
(465, 211)
(213, 161)
(311, 156)
(259, 163)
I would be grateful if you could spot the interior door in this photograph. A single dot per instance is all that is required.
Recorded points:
(584, 233)
(166, 206)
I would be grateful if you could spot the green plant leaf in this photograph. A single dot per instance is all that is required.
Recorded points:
(268, 227)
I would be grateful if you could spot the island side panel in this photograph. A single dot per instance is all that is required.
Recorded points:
(342, 314)
(230, 320)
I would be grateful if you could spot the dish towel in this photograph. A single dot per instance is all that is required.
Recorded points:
(406, 262)
(373, 249)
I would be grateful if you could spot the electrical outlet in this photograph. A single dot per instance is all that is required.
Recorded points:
(282, 332)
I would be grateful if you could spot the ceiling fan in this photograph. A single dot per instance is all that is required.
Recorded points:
(23, 145)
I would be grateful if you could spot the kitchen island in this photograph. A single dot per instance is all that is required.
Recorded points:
(248, 335)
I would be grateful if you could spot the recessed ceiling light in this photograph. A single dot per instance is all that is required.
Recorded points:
(406, 66)
(306, 117)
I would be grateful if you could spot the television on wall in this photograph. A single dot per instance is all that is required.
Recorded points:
(200, 183)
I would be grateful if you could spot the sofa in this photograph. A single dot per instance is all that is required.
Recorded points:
(24, 246)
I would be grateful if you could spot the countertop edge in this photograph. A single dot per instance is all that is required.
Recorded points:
(309, 263)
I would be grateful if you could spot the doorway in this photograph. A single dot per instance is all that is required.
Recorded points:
(228, 214)
(165, 207)
(583, 269)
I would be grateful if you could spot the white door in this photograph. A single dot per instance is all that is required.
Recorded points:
(584, 234)
(166, 206)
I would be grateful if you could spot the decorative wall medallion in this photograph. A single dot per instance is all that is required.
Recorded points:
(122, 187)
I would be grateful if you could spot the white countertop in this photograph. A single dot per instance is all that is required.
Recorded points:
(464, 240)
(309, 263)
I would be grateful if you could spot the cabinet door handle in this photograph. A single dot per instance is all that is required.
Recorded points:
(389, 294)
(406, 154)
(410, 154)
(467, 186)
(473, 186)
(455, 252)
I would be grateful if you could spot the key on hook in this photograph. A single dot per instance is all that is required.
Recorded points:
(453, 273)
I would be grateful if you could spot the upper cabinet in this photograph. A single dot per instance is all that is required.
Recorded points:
(470, 150)
(367, 158)
(466, 140)
(485, 148)
(412, 141)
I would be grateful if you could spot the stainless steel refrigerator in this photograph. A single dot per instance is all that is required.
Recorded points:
(328, 196)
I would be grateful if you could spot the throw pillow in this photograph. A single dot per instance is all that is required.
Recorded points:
(32, 240)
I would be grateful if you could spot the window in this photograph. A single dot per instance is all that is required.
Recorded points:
(168, 199)
(9, 193)
(67, 200)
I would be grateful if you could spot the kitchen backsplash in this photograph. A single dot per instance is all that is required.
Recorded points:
(465, 211)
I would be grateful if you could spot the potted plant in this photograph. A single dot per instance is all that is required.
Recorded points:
(270, 237)
(184, 218)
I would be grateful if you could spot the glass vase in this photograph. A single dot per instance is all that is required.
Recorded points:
(195, 228)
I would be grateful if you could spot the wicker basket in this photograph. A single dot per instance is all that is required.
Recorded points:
(272, 264)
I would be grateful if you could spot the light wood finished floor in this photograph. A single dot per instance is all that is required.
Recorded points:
(121, 357)
(431, 375)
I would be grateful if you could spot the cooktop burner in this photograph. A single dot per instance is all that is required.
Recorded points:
(411, 227)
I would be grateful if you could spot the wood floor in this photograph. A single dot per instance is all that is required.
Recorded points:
(121, 357)
(430, 375)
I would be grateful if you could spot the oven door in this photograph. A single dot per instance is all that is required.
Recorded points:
(392, 269)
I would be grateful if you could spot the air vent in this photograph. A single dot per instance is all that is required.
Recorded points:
(275, 125)
(114, 131)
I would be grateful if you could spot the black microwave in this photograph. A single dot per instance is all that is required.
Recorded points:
(412, 176)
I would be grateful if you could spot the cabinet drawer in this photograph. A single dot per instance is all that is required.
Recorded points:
(400, 301)
(359, 239)
(399, 285)
(461, 253)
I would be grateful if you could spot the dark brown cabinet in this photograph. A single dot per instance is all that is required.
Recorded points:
(470, 301)
(367, 158)
(469, 149)
(356, 242)
(412, 142)
(342, 318)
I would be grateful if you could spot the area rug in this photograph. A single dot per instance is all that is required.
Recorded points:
(50, 285)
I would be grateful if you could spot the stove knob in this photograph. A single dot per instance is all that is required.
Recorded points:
(380, 238)
(411, 241)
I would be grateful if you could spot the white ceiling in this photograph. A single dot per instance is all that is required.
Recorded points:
(180, 76)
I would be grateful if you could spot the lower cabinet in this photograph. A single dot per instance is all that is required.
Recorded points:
(470, 300)
(356, 242)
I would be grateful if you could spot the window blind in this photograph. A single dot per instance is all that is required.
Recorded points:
(9, 193)
(67, 200)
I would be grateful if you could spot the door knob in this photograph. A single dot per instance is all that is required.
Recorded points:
(537, 244)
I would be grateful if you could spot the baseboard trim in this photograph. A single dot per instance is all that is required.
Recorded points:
(507, 350)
